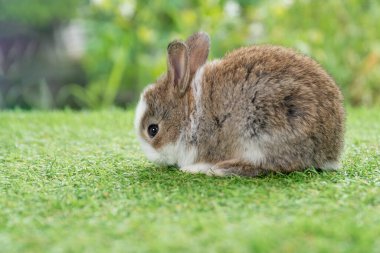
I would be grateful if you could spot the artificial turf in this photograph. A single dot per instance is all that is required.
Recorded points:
(78, 182)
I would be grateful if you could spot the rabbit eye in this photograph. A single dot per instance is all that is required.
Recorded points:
(152, 130)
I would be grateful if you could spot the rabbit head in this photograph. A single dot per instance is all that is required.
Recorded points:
(163, 109)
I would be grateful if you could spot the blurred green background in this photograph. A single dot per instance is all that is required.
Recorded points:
(101, 53)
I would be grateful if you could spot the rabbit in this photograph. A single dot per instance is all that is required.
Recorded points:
(260, 109)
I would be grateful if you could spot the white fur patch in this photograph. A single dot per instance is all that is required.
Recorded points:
(214, 62)
(149, 151)
(140, 111)
(251, 152)
(177, 153)
(170, 154)
(196, 168)
(141, 108)
(185, 155)
(331, 165)
(197, 87)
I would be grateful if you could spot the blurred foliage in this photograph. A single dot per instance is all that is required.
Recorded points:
(40, 13)
(125, 40)
(33, 66)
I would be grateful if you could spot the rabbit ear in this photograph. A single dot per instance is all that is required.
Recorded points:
(199, 46)
(178, 65)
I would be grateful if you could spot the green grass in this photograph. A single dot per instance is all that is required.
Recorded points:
(77, 182)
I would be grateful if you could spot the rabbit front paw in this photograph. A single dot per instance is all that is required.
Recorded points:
(197, 168)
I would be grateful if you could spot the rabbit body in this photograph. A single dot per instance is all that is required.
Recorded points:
(259, 109)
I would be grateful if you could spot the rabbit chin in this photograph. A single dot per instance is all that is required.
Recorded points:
(170, 154)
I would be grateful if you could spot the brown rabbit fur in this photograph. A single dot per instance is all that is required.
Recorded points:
(259, 109)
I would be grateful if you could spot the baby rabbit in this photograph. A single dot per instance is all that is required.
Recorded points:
(260, 109)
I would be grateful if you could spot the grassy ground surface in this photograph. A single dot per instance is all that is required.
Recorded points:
(77, 182)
